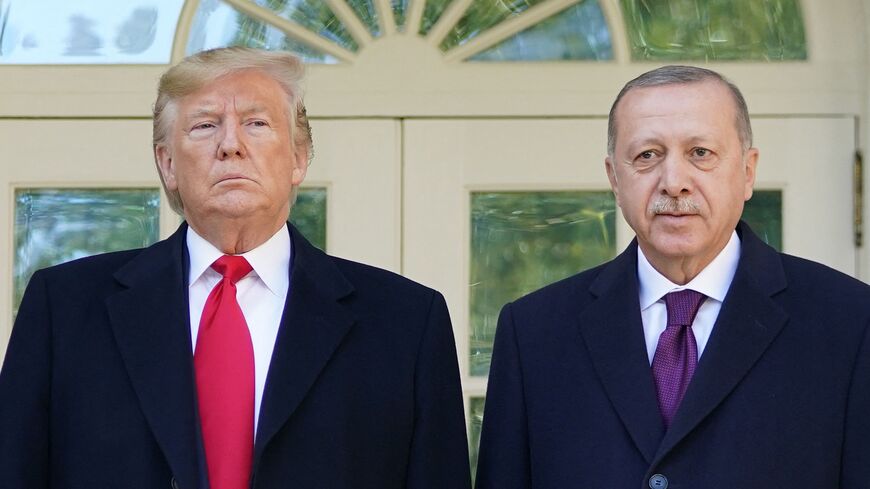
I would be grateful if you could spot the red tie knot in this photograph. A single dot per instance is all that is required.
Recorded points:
(232, 267)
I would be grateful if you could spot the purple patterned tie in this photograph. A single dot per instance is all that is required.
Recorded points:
(677, 352)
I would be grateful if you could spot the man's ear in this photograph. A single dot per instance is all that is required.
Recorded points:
(166, 166)
(750, 163)
(611, 176)
(300, 164)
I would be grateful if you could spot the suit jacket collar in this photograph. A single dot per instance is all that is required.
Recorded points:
(612, 329)
(151, 322)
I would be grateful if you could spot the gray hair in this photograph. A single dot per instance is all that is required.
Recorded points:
(681, 75)
(202, 68)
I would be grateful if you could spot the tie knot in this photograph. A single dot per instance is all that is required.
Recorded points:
(682, 306)
(232, 267)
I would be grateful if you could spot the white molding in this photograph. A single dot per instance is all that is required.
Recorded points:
(353, 24)
(414, 16)
(385, 17)
(448, 19)
(618, 33)
(182, 30)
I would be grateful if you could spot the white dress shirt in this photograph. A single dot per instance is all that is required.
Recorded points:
(261, 295)
(713, 281)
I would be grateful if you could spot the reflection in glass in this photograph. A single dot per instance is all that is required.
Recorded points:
(475, 420)
(579, 32)
(521, 241)
(763, 213)
(309, 215)
(399, 9)
(366, 12)
(57, 225)
(431, 13)
(92, 32)
(314, 15)
(216, 24)
(480, 16)
(772, 30)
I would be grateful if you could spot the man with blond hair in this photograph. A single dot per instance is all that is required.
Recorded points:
(233, 354)
(699, 358)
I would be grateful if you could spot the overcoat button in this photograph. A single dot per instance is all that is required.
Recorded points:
(658, 481)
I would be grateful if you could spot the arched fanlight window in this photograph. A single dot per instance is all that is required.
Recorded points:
(337, 31)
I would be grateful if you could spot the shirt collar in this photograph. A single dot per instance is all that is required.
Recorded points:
(713, 281)
(270, 260)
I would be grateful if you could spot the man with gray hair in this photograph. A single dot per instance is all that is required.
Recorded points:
(698, 358)
(234, 354)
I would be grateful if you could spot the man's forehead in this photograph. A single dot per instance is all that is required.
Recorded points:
(707, 105)
(247, 89)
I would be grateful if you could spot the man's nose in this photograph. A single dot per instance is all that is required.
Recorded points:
(231, 143)
(676, 176)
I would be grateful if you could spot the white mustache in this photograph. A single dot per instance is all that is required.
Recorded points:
(670, 205)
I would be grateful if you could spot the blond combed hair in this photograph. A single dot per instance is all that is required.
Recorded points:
(202, 68)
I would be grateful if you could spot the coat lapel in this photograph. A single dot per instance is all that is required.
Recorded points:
(151, 324)
(613, 332)
(312, 326)
(748, 322)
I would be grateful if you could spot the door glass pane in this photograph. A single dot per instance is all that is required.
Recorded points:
(309, 215)
(431, 13)
(772, 30)
(57, 225)
(92, 32)
(579, 32)
(521, 241)
(480, 16)
(476, 422)
(763, 213)
(216, 24)
(366, 12)
(316, 16)
(399, 9)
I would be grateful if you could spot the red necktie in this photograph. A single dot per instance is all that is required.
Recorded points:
(224, 364)
(677, 352)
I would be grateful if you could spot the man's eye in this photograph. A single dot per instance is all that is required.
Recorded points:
(203, 125)
(701, 152)
(259, 123)
(646, 155)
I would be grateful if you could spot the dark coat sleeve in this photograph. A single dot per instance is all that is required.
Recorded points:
(503, 461)
(25, 386)
(856, 444)
(439, 450)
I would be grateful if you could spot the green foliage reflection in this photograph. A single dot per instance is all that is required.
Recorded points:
(482, 15)
(57, 225)
(521, 241)
(431, 13)
(769, 30)
(399, 9)
(763, 213)
(366, 12)
(314, 15)
(579, 32)
(309, 215)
